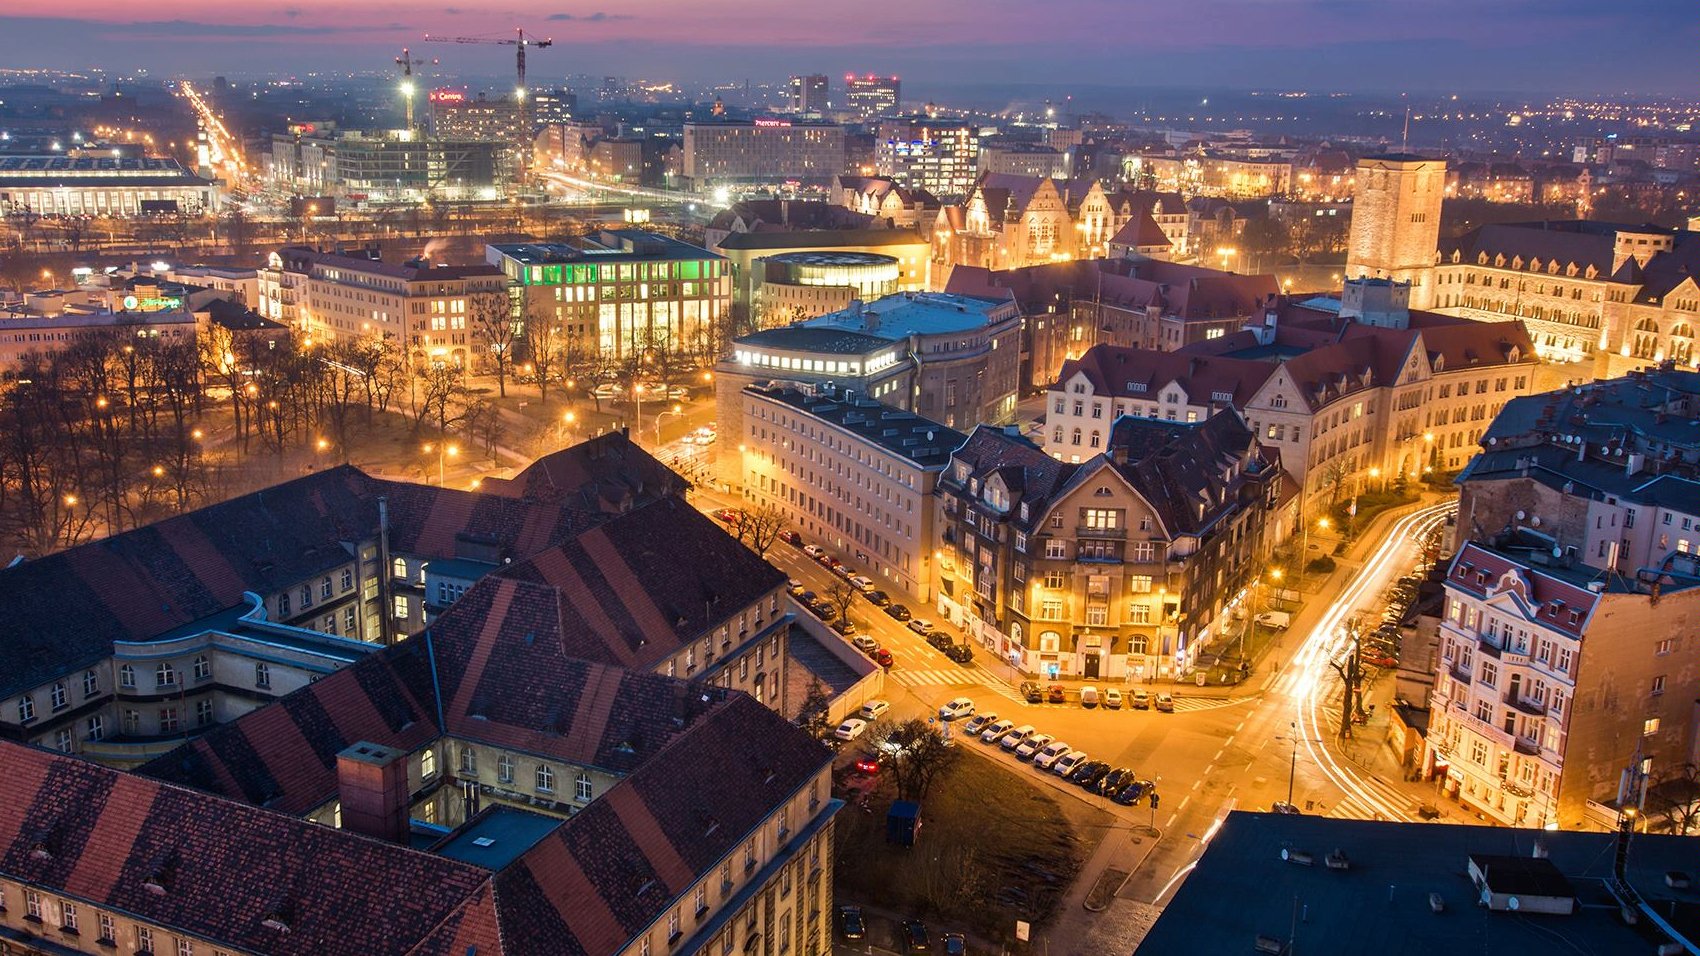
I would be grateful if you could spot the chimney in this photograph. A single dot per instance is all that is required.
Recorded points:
(371, 782)
(1634, 462)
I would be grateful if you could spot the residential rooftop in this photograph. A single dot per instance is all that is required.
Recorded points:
(1273, 883)
(922, 441)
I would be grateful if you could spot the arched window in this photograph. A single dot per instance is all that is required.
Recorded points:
(1050, 641)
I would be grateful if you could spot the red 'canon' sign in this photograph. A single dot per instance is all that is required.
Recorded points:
(448, 96)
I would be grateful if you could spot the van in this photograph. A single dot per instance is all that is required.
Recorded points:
(1088, 696)
(1278, 620)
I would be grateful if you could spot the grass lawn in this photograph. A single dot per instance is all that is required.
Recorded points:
(993, 849)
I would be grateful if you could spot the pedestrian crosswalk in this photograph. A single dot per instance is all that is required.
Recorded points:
(953, 677)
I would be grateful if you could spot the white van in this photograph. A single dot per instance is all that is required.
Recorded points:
(1279, 620)
(1088, 696)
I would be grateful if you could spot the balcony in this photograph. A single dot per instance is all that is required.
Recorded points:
(1095, 531)
(1459, 672)
(1524, 704)
(1527, 747)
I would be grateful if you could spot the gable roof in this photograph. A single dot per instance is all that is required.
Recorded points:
(1190, 474)
(1122, 372)
(608, 473)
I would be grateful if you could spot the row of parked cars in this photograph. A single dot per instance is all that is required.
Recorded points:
(1047, 753)
(1380, 647)
(1090, 696)
(912, 934)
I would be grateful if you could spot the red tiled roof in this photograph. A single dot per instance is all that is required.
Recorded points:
(218, 870)
(1477, 570)
(1112, 369)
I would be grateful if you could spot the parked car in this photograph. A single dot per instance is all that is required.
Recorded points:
(939, 639)
(1131, 793)
(1032, 692)
(883, 658)
(874, 709)
(1016, 737)
(807, 597)
(1056, 695)
(960, 653)
(980, 722)
(1052, 752)
(814, 551)
(850, 923)
(952, 944)
(845, 627)
(850, 729)
(844, 571)
(1088, 696)
(957, 708)
(1115, 780)
(1379, 660)
(995, 732)
(1141, 699)
(823, 610)
(1069, 762)
(868, 764)
(789, 537)
(862, 582)
(1029, 748)
(898, 611)
(796, 588)
(1088, 775)
(1165, 702)
(879, 598)
(865, 644)
(921, 626)
(1279, 620)
(915, 936)
(1113, 698)
(729, 515)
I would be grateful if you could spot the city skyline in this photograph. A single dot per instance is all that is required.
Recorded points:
(1316, 44)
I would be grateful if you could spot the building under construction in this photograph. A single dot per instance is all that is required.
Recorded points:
(391, 166)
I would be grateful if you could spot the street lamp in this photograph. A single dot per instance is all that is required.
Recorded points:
(676, 410)
(443, 450)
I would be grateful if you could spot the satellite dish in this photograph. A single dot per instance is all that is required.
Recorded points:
(1557, 551)
(1514, 904)
(1521, 514)
(1535, 521)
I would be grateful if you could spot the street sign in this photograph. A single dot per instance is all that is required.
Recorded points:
(1023, 930)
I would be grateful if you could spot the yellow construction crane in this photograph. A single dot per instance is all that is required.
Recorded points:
(407, 63)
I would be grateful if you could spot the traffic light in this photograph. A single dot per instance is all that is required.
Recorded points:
(1153, 799)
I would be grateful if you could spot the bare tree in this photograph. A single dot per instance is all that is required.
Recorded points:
(492, 321)
(812, 713)
(841, 594)
(761, 526)
(1676, 798)
(438, 397)
(916, 752)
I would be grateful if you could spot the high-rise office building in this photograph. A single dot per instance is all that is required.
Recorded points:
(809, 93)
(552, 107)
(873, 96)
(939, 156)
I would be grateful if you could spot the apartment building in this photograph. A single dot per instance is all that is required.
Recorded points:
(850, 471)
(1610, 470)
(1561, 690)
(1118, 567)
(430, 309)
(761, 151)
(621, 290)
(1351, 404)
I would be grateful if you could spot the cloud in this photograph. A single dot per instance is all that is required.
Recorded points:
(597, 17)
(172, 28)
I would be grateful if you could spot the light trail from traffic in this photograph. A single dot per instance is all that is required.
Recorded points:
(1310, 666)
(222, 149)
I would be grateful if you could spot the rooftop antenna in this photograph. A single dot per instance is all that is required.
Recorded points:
(1405, 137)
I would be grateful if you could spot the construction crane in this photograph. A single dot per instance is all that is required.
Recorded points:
(407, 63)
(519, 43)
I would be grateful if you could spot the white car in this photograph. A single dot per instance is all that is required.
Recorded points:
(863, 583)
(991, 734)
(1052, 752)
(1017, 737)
(813, 550)
(874, 709)
(1067, 762)
(1030, 747)
(980, 722)
(850, 729)
(1112, 698)
(957, 709)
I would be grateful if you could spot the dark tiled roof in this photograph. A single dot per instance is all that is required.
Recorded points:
(1183, 470)
(1585, 243)
(606, 473)
(1143, 373)
(903, 433)
(1032, 477)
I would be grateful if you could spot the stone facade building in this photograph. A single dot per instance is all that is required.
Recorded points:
(1396, 222)
(852, 473)
(1118, 567)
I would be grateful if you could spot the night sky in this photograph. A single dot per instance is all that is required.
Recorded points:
(1467, 46)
